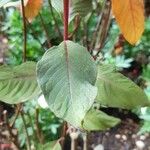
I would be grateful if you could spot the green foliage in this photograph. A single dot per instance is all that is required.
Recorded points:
(36, 38)
(49, 125)
(4, 2)
(97, 120)
(58, 5)
(54, 145)
(13, 29)
(66, 75)
(115, 90)
(146, 73)
(145, 115)
(78, 5)
(18, 84)
(145, 127)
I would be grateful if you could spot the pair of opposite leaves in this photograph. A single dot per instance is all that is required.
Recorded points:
(68, 77)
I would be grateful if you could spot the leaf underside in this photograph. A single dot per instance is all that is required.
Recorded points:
(98, 120)
(81, 7)
(116, 90)
(67, 74)
(18, 84)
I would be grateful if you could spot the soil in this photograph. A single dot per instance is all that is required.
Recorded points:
(125, 136)
(122, 137)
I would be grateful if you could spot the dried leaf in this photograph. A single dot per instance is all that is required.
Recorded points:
(130, 17)
(32, 9)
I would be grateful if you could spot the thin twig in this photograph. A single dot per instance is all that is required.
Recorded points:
(86, 41)
(94, 36)
(63, 133)
(38, 131)
(55, 20)
(104, 27)
(24, 31)
(26, 131)
(12, 138)
(18, 108)
(76, 26)
(7, 123)
(84, 141)
(73, 145)
(45, 30)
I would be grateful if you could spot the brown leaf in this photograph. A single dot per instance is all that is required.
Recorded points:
(32, 9)
(130, 17)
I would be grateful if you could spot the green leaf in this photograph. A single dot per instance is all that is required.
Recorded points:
(3, 2)
(53, 145)
(115, 90)
(8, 3)
(81, 7)
(98, 120)
(18, 84)
(76, 7)
(58, 5)
(67, 74)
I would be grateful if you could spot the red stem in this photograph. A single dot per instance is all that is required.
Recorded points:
(66, 16)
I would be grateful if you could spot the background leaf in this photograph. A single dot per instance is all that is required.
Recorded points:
(98, 120)
(67, 74)
(18, 84)
(58, 5)
(53, 145)
(4, 2)
(115, 90)
(81, 7)
(130, 17)
(76, 7)
(32, 9)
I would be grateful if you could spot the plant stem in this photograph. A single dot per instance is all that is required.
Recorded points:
(104, 27)
(18, 108)
(66, 15)
(24, 31)
(73, 144)
(54, 18)
(85, 141)
(11, 136)
(45, 30)
(63, 133)
(26, 131)
(38, 131)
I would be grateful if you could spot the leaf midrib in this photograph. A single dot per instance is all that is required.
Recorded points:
(67, 66)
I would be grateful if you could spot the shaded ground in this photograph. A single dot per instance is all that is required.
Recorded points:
(123, 137)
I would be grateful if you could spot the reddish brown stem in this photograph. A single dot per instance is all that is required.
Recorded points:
(66, 16)
(24, 31)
